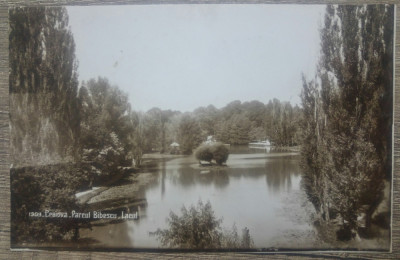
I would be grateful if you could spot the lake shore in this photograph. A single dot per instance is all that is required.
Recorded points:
(124, 187)
(302, 234)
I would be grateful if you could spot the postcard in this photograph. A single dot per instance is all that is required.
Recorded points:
(201, 127)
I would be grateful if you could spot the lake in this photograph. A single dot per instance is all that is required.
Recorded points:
(259, 189)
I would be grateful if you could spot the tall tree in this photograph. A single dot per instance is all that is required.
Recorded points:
(347, 129)
(105, 126)
(189, 134)
(45, 124)
(281, 122)
(44, 114)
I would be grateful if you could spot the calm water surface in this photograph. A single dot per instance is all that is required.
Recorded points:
(253, 192)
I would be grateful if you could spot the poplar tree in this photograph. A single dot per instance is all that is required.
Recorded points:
(347, 113)
(44, 114)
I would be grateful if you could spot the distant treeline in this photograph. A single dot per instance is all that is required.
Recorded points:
(236, 123)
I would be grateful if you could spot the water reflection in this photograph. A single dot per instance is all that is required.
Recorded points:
(237, 193)
(221, 179)
(188, 176)
(278, 169)
(279, 172)
(163, 176)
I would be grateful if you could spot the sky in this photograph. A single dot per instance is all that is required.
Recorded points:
(181, 57)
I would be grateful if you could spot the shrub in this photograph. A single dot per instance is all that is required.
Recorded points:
(107, 158)
(46, 187)
(203, 153)
(220, 153)
(216, 151)
(198, 228)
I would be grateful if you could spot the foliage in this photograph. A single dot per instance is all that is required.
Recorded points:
(220, 153)
(105, 127)
(247, 241)
(156, 125)
(347, 114)
(203, 153)
(240, 123)
(215, 151)
(44, 116)
(137, 138)
(198, 228)
(230, 238)
(236, 123)
(282, 123)
(40, 188)
(189, 134)
(206, 117)
(44, 122)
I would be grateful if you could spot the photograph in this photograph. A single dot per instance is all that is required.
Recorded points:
(201, 127)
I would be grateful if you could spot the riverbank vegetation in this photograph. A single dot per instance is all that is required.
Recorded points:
(46, 188)
(348, 118)
(198, 228)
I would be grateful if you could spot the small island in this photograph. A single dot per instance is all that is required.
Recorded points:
(211, 151)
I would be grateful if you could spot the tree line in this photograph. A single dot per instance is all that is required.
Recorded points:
(237, 123)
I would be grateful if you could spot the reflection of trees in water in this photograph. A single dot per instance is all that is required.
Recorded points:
(160, 171)
(279, 172)
(163, 175)
(254, 172)
(205, 177)
(188, 177)
(184, 177)
(221, 178)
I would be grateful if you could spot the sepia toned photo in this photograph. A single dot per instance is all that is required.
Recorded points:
(198, 127)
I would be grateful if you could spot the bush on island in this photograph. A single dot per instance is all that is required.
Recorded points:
(203, 153)
(220, 153)
(216, 151)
